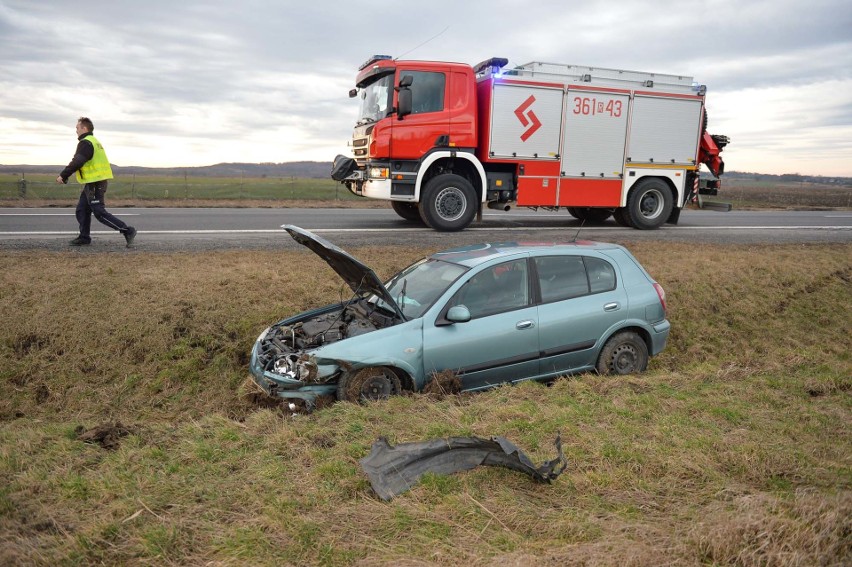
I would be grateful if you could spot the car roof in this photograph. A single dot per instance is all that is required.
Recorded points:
(476, 254)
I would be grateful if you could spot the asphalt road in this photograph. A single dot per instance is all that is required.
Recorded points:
(191, 229)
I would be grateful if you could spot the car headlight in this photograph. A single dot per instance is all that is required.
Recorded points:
(296, 367)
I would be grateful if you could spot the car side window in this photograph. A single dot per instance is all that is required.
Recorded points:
(561, 277)
(564, 277)
(601, 274)
(427, 91)
(497, 289)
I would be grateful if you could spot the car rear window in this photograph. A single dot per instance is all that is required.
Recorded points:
(564, 277)
(601, 274)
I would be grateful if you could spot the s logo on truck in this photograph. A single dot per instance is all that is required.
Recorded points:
(527, 118)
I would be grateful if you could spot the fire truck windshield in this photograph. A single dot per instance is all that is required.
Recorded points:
(375, 100)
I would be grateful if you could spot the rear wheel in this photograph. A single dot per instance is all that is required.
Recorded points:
(372, 383)
(408, 211)
(448, 203)
(592, 214)
(649, 204)
(624, 353)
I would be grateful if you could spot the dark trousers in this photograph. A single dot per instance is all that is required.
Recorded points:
(92, 203)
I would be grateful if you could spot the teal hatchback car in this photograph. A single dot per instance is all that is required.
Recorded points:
(492, 313)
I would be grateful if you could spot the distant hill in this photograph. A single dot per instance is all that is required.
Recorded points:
(303, 169)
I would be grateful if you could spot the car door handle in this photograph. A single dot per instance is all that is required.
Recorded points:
(520, 325)
(611, 306)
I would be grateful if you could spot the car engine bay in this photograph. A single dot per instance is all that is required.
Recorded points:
(285, 349)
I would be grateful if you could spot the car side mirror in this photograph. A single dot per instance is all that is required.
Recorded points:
(353, 93)
(458, 314)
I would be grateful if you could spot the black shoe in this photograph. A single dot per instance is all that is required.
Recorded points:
(80, 241)
(130, 235)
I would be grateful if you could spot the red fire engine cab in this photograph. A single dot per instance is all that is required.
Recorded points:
(440, 139)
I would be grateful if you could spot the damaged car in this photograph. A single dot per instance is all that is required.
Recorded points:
(492, 313)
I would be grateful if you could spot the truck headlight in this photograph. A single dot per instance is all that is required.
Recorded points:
(379, 173)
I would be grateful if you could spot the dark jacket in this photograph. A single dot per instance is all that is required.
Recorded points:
(85, 151)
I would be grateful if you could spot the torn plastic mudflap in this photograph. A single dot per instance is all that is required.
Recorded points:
(393, 470)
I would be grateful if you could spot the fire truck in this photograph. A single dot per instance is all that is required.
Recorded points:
(439, 140)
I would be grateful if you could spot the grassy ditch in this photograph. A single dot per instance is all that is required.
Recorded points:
(735, 448)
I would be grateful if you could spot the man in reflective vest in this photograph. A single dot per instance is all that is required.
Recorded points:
(93, 171)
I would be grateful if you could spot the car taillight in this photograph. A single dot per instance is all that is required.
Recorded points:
(661, 293)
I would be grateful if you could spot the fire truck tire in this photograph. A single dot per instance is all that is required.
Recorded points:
(591, 214)
(621, 217)
(649, 204)
(448, 203)
(408, 211)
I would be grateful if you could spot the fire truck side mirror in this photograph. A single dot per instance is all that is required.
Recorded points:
(404, 107)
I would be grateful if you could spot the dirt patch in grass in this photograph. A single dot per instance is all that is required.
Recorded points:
(107, 435)
(442, 384)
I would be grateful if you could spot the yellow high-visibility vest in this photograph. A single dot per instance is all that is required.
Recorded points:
(97, 168)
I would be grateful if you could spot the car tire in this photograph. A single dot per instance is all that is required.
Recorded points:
(408, 211)
(367, 384)
(649, 204)
(448, 203)
(591, 214)
(623, 353)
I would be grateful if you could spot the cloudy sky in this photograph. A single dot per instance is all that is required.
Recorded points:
(186, 82)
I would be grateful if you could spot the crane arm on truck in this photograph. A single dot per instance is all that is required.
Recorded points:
(708, 153)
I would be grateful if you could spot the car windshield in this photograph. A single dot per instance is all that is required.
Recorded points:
(417, 287)
(375, 100)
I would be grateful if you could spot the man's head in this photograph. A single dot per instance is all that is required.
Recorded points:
(84, 125)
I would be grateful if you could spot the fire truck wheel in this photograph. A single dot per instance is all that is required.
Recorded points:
(448, 203)
(408, 211)
(622, 217)
(590, 214)
(624, 353)
(649, 204)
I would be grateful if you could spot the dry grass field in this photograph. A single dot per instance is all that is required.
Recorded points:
(175, 191)
(735, 448)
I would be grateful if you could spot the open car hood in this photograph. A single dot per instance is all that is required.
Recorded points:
(357, 276)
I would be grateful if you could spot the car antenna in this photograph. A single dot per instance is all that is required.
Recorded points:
(582, 222)
(439, 34)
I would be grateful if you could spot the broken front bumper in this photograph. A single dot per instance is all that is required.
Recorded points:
(283, 385)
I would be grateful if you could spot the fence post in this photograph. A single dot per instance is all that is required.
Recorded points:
(22, 189)
(133, 188)
(185, 186)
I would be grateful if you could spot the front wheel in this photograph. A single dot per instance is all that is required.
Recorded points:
(448, 203)
(649, 204)
(372, 383)
(408, 211)
(624, 353)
